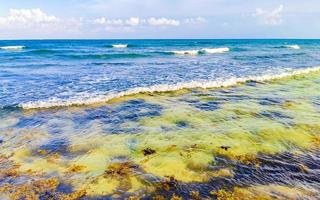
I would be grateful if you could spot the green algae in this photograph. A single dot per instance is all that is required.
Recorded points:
(104, 164)
(265, 192)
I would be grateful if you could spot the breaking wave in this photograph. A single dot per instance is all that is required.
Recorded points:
(78, 101)
(12, 47)
(292, 46)
(186, 52)
(202, 51)
(120, 45)
(215, 50)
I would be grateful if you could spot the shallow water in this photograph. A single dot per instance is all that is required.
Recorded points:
(256, 140)
(160, 119)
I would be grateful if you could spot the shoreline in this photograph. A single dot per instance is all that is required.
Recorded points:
(165, 88)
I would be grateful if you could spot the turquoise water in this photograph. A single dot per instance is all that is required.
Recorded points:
(160, 119)
(49, 73)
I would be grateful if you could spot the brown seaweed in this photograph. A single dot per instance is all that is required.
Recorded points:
(148, 151)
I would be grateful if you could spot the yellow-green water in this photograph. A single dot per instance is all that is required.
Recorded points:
(251, 141)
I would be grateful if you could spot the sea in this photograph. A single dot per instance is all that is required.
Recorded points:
(160, 119)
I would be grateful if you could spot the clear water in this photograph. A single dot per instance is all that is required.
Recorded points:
(255, 138)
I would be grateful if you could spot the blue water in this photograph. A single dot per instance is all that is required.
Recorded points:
(78, 71)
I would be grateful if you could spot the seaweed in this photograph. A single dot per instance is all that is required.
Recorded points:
(158, 197)
(316, 140)
(35, 186)
(175, 148)
(175, 197)
(238, 194)
(195, 195)
(122, 169)
(148, 151)
(39, 189)
(75, 168)
(169, 183)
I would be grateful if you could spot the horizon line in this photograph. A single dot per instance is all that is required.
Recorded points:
(17, 39)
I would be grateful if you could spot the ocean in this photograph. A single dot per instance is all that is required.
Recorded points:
(160, 119)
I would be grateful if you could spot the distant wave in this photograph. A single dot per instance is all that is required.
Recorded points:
(12, 47)
(202, 51)
(56, 102)
(203, 42)
(292, 47)
(186, 52)
(120, 45)
(215, 50)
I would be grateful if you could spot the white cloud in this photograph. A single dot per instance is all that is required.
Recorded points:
(163, 22)
(133, 21)
(197, 20)
(25, 17)
(273, 17)
(35, 23)
(108, 22)
(133, 24)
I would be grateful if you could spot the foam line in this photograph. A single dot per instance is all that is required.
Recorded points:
(56, 102)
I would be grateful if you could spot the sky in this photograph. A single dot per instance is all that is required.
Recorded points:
(158, 19)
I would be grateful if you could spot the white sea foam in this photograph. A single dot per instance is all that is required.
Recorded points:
(215, 50)
(119, 45)
(292, 46)
(56, 102)
(204, 50)
(186, 52)
(12, 47)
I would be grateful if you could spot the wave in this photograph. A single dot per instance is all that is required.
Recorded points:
(56, 102)
(215, 50)
(186, 52)
(202, 51)
(43, 51)
(106, 56)
(12, 47)
(203, 42)
(120, 45)
(292, 46)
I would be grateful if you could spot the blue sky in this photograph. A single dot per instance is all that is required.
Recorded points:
(43, 19)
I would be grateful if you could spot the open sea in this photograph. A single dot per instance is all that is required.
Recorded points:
(160, 119)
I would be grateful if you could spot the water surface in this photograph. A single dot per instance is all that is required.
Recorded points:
(257, 137)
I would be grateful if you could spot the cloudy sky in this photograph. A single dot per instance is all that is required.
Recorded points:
(42, 19)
